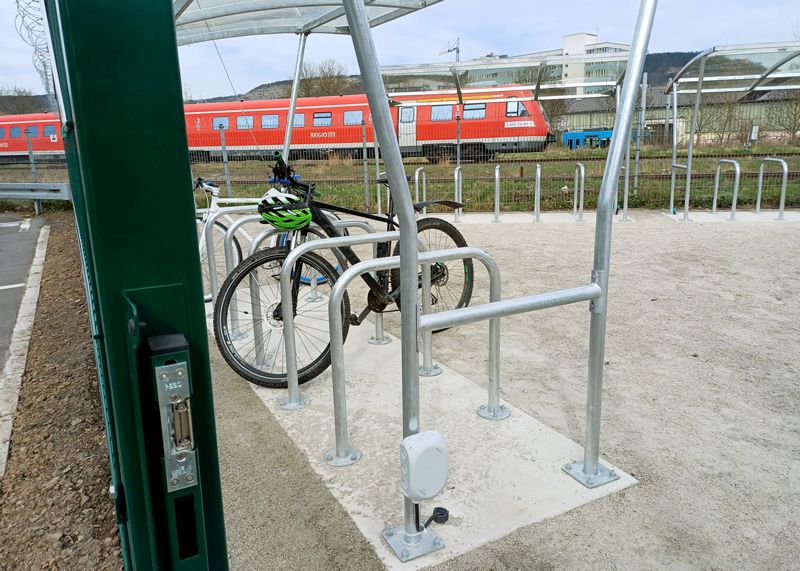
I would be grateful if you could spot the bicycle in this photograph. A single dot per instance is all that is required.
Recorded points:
(248, 315)
(211, 193)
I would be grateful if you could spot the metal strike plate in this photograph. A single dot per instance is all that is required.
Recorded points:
(174, 401)
(425, 542)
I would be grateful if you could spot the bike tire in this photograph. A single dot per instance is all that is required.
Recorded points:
(219, 231)
(261, 272)
(438, 234)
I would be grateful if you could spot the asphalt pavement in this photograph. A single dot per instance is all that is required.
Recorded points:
(18, 236)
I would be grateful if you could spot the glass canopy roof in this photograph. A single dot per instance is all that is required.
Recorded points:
(550, 77)
(204, 20)
(742, 68)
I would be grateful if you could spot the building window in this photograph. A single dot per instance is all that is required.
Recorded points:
(269, 121)
(49, 130)
(441, 113)
(322, 119)
(218, 123)
(407, 114)
(299, 120)
(244, 122)
(353, 117)
(516, 109)
(475, 111)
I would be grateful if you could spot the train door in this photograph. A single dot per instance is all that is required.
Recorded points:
(407, 127)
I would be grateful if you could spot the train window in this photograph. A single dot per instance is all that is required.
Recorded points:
(322, 119)
(49, 130)
(2, 132)
(15, 132)
(353, 117)
(32, 131)
(516, 109)
(218, 123)
(269, 121)
(244, 122)
(441, 113)
(407, 114)
(300, 120)
(475, 111)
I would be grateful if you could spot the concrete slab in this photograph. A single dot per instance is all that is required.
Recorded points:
(559, 217)
(503, 474)
(741, 216)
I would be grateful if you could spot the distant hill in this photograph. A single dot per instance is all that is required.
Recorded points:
(662, 67)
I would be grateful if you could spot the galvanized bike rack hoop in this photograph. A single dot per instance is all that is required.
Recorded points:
(579, 187)
(537, 195)
(737, 177)
(784, 180)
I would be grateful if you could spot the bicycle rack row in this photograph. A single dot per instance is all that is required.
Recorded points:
(737, 178)
(579, 186)
(294, 398)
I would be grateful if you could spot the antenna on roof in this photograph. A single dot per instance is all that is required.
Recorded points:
(454, 46)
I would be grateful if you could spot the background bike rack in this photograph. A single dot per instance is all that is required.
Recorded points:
(496, 193)
(580, 183)
(537, 195)
(458, 181)
(737, 176)
(784, 180)
(421, 170)
(343, 454)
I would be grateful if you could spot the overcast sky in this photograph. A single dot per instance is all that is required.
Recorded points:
(500, 26)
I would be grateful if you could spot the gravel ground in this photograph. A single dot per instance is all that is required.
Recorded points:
(701, 400)
(55, 512)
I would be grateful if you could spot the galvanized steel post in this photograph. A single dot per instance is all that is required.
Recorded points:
(457, 193)
(225, 164)
(690, 147)
(37, 204)
(365, 163)
(496, 194)
(640, 127)
(537, 194)
(578, 190)
(674, 100)
(384, 129)
(298, 67)
(590, 472)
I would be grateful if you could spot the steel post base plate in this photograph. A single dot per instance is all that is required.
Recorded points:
(285, 404)
(502, 413)
(603, 475)
(385, 340)
(431, 371)
(428, 543)
(353, 455)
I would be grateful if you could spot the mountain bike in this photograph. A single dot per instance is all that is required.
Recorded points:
(248, 313)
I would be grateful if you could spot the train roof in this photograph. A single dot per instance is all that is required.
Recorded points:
(28, 118)
(359, 99)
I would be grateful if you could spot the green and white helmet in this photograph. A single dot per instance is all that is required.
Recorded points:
(273, 209)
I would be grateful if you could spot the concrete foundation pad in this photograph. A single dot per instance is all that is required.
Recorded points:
(503, 474)
(741, 216)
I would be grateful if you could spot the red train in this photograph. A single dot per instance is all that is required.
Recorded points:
(426, 125)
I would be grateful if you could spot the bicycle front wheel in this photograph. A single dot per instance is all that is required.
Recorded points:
(248, 320)
(451, 282)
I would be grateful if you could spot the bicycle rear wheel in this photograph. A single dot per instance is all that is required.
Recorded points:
(248, 321)
(451, 282)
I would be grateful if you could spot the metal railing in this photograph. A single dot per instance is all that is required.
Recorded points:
(784, 180)
(736, 179)
(35, 191)
(343, 453)
(577, 198)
